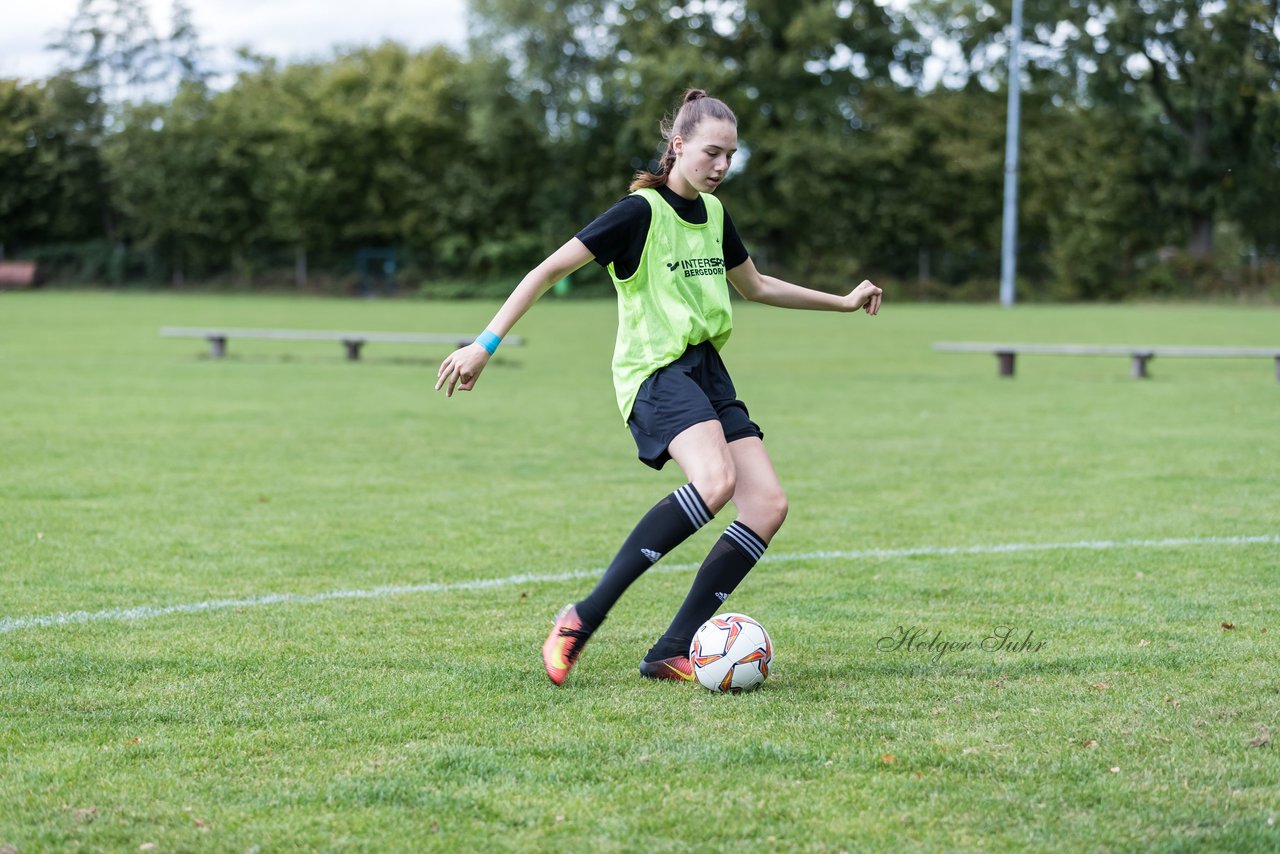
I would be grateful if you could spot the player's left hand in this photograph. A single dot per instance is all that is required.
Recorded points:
(865, 296)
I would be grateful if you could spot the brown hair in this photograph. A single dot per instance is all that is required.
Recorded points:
(695, 106)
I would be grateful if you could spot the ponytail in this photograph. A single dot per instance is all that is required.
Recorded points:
(695, 106)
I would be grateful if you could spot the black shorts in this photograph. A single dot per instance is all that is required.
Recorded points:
(692, 389)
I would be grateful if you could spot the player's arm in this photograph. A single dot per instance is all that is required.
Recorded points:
(757, 287)
(463, 366)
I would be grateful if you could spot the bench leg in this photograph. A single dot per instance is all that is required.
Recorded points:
(353, 350)
(1278, 369)
(1139, 369)
(217, 346)
(1005, 361)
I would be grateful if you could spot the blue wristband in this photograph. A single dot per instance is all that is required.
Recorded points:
(489, 341)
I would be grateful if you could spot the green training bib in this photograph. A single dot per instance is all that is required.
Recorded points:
(678, 296)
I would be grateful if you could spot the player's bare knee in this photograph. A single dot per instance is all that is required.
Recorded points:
(716, 486)
(778, 508)
(769, 511)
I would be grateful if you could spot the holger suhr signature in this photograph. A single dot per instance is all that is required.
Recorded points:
(918, 639)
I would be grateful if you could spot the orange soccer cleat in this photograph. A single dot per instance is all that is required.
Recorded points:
(678, 668)
(568, 637)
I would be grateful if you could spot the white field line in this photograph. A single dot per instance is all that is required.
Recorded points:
(146, 612)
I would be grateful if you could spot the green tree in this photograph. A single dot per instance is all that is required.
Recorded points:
(182, 49)
(110, 47)
(174, 189)
(51, 175)
(386, 147)
(1208, 65)
(1200, 74)
(1091, 185)
(377, 147)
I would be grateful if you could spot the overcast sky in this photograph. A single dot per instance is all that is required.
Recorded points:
(288, 29)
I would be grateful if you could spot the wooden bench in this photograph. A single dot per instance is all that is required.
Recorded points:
(353, 341)
(1139, 356)
(17, 274)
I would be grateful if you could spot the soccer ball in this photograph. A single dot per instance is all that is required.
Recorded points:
(731, 653)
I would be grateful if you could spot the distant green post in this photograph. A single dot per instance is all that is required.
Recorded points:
(561, 288)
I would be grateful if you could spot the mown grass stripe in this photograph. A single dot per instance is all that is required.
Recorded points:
(146, 612)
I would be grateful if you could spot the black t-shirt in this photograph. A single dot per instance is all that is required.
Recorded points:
(617, 236)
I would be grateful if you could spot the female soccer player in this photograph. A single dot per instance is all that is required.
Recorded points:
(669, 247)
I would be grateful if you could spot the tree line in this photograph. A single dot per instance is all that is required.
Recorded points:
(872, 145)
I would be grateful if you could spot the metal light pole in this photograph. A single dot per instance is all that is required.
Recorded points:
(1009, 240)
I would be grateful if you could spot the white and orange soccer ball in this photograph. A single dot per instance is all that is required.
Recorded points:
(731, 653)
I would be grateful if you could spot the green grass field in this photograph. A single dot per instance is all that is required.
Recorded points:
(139, 477)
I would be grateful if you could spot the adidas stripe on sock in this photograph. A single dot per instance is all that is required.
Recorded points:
(693, 505)
(745, 538)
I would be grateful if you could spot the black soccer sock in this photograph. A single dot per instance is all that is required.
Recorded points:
(668, 524)
(728, 562)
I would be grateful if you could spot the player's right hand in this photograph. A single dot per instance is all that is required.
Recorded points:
(461, 369)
